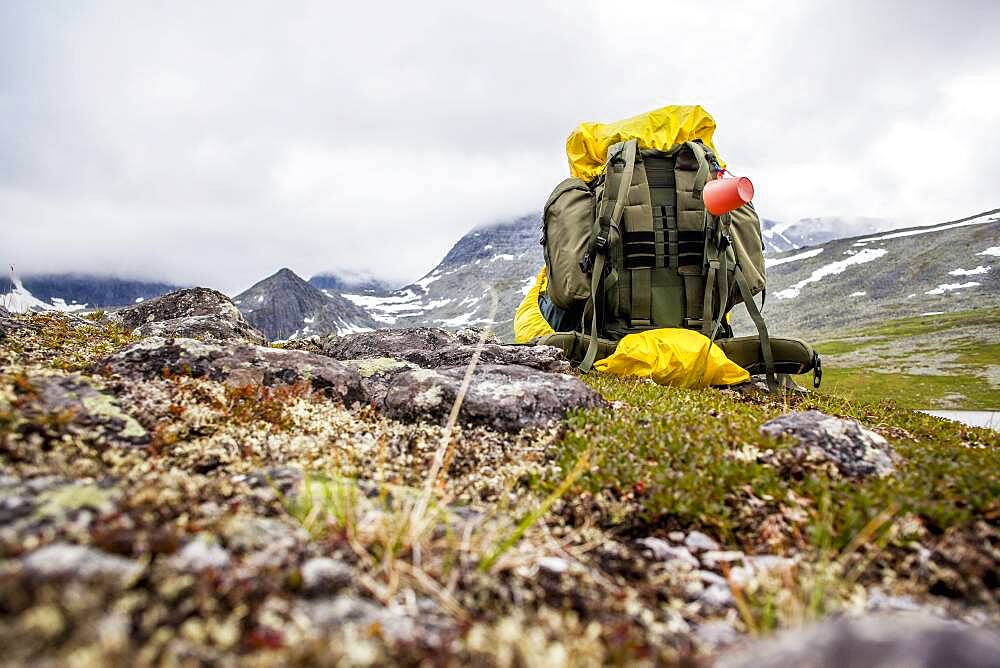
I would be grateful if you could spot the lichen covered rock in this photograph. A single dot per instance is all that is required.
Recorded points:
(434, 348)
(234, 364)
(193, 312)
(506, 398)
(855, 451)
(72, 403)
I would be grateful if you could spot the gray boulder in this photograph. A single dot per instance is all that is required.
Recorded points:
(857, 452)
(235, 364)
(434, 348)
(73, 404)
(65, 560)
(505, 398)
(193, 312)
(911, 640)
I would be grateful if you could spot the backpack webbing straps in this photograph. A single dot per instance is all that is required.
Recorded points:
(758, 320)
(599, 242)
(702, 175)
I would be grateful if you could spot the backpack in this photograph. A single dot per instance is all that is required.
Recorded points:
(635, 249)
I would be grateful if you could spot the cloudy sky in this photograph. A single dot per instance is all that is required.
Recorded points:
(213, 143)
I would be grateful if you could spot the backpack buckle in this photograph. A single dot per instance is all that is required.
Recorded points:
(586, 264)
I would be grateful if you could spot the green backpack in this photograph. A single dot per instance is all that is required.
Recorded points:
(636, 250)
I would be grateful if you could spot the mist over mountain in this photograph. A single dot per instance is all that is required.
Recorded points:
(365, 284)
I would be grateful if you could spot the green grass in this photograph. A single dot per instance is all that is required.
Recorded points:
(970, 340)
(986, 318)
(838, 347)
(673, 454)
(909, 390)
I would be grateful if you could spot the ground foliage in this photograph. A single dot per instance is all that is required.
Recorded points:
(461, 546)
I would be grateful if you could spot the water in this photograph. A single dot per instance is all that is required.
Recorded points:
(990, 419)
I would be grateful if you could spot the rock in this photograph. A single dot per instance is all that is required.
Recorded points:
(429, 627)
(377, 374)
(201, 554)
(716, 633)
(434, 348)
(554, 565)
(470, 336)
(31, 504)
(912, 640)
(192, 312)
(857, 452)
(235, 364)
(713, 558)
(661, 550)
(699, 542)
(72, 403)
(676, 536)
(716, 597)
(323, 575)
(8, 323)
(204, 327)
(505, 398)
(263, 542)
(64, 560)
(710, 578)
(759, 565)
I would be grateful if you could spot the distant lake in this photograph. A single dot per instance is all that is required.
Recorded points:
(990, 419)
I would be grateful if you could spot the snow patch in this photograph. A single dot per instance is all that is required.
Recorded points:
(992, 250)
(969, 272)
(832, 269)
(933, 313)
(774, 262)
(979, 220)
(139, 300)
(506, 257)
(860, 293)
(951, 287)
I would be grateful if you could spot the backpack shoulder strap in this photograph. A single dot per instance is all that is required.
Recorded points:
(620, 168)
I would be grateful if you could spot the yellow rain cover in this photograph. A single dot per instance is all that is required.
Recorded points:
(587, 146)
(673, 357)
(529, 322)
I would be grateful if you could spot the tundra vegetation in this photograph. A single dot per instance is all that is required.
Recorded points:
(249, 510)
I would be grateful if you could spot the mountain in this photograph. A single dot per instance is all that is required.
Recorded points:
(774, 240)
(915, 271)
(284, 306)
(363, 284)
(780, 237)
(72, 292)
(480, 281)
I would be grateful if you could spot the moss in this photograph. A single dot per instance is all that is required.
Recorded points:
(695, 458)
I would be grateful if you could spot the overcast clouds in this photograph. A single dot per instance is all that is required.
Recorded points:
(213, 143)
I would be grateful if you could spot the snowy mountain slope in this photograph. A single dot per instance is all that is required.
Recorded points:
(480, 282)
(73, 292)
(939, 268)
(284, 306)
(780, 237)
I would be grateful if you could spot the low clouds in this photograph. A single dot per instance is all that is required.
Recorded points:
(215, 142)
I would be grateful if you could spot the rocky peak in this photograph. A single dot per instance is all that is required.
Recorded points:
(285, 306)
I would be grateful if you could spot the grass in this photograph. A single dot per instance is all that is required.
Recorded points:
(676, 458)
(911, 390)
(875, 362)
